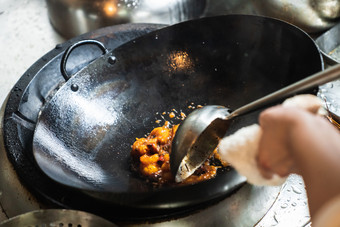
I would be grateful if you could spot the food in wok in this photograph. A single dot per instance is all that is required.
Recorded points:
(151, 158)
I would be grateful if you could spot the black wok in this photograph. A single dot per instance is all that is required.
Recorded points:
(84, 134)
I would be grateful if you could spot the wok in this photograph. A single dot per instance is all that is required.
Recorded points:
(84, 133)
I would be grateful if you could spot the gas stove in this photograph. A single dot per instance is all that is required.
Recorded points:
(25, 188)
(24, 185)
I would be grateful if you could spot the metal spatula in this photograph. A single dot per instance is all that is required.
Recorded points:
(199, 134)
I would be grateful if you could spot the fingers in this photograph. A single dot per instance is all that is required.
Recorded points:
(264, 168)
(290, 136)
(274, 155)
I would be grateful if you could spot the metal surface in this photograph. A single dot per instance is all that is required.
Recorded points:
(230, 211)
(236, 210)
(186, 155)
(310, 15)
(243, 209)
(69, 50)
(199, 134)
(329, 44)
(15, 192)
(72, 18)
(329, 9)
(83, 138)
(57, 217)
(14, 196)
(26, 35)
(23, 183)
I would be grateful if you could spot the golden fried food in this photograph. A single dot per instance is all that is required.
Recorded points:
(151, 158)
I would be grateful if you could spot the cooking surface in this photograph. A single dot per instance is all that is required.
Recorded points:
(26, 35)
(62, 152)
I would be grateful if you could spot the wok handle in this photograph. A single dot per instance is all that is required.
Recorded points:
(71, 48)
(312, 81)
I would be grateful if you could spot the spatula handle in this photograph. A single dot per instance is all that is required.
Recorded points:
(314, 80)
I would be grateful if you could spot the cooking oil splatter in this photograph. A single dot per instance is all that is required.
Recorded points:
(172, 115)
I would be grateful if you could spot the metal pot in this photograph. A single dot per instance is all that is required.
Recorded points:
(74, 17)
(310, 15)
(84, 133)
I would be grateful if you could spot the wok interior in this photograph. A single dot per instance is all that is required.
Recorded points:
(227, 60)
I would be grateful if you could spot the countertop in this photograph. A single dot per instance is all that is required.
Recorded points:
(26, 34)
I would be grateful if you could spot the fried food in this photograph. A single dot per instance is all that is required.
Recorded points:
(151, 158)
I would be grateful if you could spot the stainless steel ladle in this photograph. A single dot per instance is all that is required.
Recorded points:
(199, 134)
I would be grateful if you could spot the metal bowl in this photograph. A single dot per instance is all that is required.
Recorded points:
(74, 17)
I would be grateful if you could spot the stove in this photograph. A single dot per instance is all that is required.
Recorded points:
(24, 186)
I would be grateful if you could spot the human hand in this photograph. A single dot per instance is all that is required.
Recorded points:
(286, 133)
(274, 155)
(295, 141)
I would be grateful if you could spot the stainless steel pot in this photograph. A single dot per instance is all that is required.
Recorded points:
(57, 217)
(310, 15)
(74, 17)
